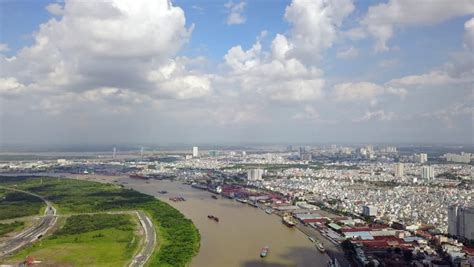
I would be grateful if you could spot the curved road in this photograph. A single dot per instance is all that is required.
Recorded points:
(149, 241)
(33, 233)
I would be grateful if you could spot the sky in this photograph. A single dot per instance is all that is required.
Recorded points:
(254, 71)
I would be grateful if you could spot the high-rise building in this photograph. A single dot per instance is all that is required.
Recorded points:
(195, 151)
(399, 170)
(462, 158)
(427, 172)
(369, 211)
(255, 174)
(244, 153)
(302, 150)
(461, 221)
(423, 158)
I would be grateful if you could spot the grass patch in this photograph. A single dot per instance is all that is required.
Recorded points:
(6, 228)
(179, 238)
(87, 240)
(17, 204)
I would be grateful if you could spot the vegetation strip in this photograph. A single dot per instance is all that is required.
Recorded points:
(179, 239)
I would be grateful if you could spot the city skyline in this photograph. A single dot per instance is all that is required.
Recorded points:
(236, 72)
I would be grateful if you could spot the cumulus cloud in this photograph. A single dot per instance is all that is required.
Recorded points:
(447, 114)
(431, 78)
(469, 35)
(10, 86)
(348, 53)
(55, 9)
(274, 76)
(364, 91)
(4, 47)
(288, 72)
(459, 70)
(236, 13)
(382, 19)
(94, 45)
(309, 113)
(377, 115)
(315, 26)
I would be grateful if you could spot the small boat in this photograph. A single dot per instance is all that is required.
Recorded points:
(269, 211)
(320, 247)
(311, 239)
(162, 192)
(264, 251)
(241, 200)
(214, 196)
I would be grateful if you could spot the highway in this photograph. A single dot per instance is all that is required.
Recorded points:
(35, 232)
(149, 241)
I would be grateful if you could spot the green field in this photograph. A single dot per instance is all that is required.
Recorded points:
(6, 228)
(17, 204)
(178, 237)
(87, 240)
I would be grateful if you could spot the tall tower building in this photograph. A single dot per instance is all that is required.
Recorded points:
(461, 221)
(195, 151)
(399, 169)
(427, 172)
(423, 157)
(254, 174)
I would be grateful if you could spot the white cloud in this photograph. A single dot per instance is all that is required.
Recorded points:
(107, 45)
(274, 76)
(357, 91)
(447, 115)
(55, 9)
(382, 19)
(235, 11)
(388, 63)
(377, 115)
(287, 73)
(355, 34)
(459, 71)
(365, 91)
(10, 86)
(349, 53)
(315, 26)
(431, 78)
(469, 35)
(309, 113)
(4, 47)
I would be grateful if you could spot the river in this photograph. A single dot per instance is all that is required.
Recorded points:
(241, 232)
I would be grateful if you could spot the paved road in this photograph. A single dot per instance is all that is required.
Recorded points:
(32, 234)
(149, 241)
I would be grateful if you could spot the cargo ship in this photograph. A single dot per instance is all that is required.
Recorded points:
(177, 199)
(253, 204)
(264, 251)
(212, 217)
(288, 220)
(138, 176)
(320, 247)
